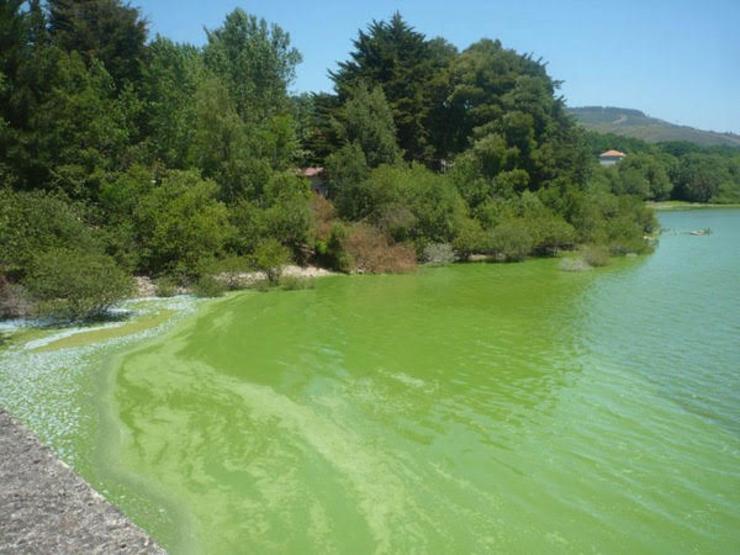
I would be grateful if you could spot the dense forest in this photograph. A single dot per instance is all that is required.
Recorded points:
(123, 154)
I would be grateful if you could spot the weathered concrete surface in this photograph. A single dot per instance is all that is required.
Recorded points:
(46, 508)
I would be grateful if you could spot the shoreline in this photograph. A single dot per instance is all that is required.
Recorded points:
(675, 205)
(45, 507)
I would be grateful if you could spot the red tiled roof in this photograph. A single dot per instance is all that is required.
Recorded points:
(612, 154)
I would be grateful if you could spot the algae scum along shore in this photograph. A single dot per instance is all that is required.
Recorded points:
(469, 408)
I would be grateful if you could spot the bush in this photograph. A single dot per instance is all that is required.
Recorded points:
(269, 257)
(595, 255)
(208, 286)
(261, 285)
(166, 286)
(574, 265)
(230, 271)
(34, 222)
(439, 254)
(13, 300)
(74, 285)
(182, 225)
(471, 239)
(512, 240)
(371, 251)
(293, 283)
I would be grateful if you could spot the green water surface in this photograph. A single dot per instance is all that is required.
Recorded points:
(468, 409)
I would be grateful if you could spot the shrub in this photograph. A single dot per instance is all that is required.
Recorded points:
(294, 283)
(471, 239)
(208, 286)
(595, 255)
(34, 222)
(166, 286)
(13, 299)
(74, 285)
(230, 271)
(512, 240)
(574, 265)
(371, 251)
(261, 285)
(270, 256)
(182, 225)
(439, 254)
(332, 253)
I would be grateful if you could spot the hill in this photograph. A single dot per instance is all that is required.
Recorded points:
(634, 123)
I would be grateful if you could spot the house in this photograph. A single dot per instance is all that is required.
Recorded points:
(610, 157)
(315, 176)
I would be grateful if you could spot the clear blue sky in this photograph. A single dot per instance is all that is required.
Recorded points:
(678, 60)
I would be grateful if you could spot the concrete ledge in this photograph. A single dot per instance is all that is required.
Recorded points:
(46, 508)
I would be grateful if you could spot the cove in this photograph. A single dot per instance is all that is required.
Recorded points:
(481, 408)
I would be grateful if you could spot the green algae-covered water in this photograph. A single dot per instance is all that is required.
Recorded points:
(467, 409)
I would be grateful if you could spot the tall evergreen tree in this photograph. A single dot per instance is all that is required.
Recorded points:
(399, 59)
(366, 119)
(111, 31)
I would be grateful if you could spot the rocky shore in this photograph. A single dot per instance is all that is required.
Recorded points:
(46, 508)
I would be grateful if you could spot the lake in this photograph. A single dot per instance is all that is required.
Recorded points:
(474, 408)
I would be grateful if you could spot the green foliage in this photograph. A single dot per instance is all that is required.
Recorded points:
(171, 78)
(292, 283)
(700, 178)
(513, 240)
(408, 68)
(595, 255)
(208, 286)
(644, 175)
(182, 161)
(331, 252)
(108, 30)
(471, 238)
(70, 284)
(34, 222)
(166, 286)
(411, 204)
(365, 119)
(348, 170)
(269, 257)
(256, 63)
(181, 225)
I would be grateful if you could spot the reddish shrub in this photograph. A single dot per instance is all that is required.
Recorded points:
(372, 252)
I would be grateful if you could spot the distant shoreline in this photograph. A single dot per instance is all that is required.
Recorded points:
(668, 205)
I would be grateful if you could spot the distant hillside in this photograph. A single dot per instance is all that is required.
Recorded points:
(633, 123)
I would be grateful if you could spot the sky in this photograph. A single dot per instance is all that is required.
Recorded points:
(678, 60)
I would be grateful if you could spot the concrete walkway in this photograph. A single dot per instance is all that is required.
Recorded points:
(46, 508)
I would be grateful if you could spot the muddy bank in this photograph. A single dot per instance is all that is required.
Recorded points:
(46, 508)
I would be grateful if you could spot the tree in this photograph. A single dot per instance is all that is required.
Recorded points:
(181, 225)
(72, 284)
(366, 120)
(170, 81)
(509, 100)
(701, 177)
(404, 64)
(644, 175)
(269, 257)
(255, 61)
(108, 30)
(34, 222)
